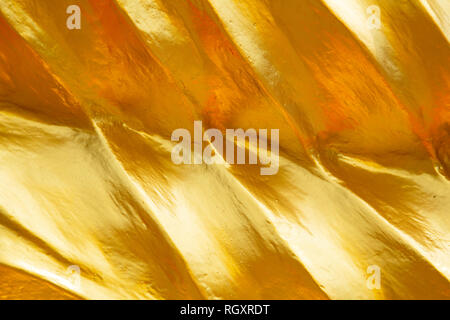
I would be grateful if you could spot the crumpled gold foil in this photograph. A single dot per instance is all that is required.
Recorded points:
(86, 177)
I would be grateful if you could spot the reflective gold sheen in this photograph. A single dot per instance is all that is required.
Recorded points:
(86, 176)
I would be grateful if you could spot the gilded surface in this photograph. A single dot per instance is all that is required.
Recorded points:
(86, 177)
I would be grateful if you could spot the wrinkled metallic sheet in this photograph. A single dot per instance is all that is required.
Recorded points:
(88, 188)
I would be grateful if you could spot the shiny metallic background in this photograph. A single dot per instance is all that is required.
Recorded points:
(86, 177)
